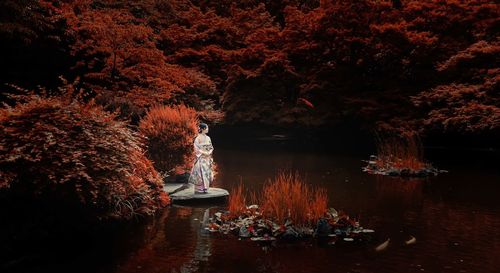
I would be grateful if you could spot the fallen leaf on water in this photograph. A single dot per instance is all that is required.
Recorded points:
(383, 245)
(411, 241)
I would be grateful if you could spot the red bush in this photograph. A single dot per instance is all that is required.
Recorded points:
(170, 132)
(60, 151)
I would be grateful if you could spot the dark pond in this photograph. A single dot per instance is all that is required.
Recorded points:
(455, 218)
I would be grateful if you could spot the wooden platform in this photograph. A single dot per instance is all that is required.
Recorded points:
(185, 192)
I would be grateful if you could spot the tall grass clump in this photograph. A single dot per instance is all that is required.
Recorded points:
(170, 131)
(288, 197)
(237, 201)
(402, 151)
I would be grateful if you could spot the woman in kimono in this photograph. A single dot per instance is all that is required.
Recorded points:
(202, 174)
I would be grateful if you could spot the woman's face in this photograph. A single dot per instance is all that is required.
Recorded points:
(205, 130)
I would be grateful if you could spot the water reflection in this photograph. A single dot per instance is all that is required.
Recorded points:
(202, 249)
(455, 218)
(174, 242)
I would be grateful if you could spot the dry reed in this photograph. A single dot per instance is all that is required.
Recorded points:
(237, 201)
(288, 197)
(402, 152)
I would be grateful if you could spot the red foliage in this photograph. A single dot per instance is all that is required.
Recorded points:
(402, 151)
(170, 132)
(237, 47)
(289, 197)
(269, 61)
(357, 49)
(470, 105)
(237, 201)
(120, 61)
(59, 150)
(364, 58)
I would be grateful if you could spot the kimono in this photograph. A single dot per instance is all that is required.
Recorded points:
(201, 173)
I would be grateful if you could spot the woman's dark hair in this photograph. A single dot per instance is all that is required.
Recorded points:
(202, 126)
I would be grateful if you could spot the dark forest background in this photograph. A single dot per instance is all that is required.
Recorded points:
(431, 66)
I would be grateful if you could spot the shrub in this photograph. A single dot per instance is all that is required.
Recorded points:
(170, 131)
(60, 151)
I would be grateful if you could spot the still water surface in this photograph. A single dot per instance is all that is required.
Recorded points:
(455, 218)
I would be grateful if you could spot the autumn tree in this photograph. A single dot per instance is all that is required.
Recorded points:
(120, 62)
(469, 102)
(301, 62)
(364, 59)
(238, 49)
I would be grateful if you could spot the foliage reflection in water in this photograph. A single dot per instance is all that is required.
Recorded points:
(454, 218)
